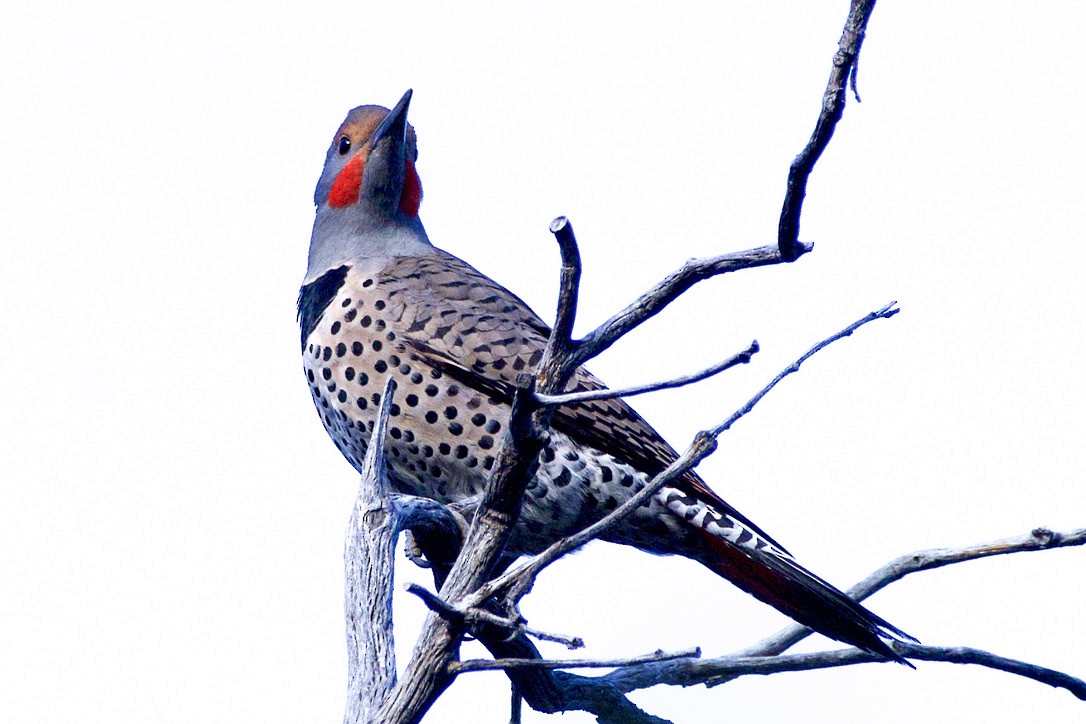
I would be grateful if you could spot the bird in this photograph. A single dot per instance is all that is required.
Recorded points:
(380, 299)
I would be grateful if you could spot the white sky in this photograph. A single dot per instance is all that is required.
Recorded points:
(172, 512)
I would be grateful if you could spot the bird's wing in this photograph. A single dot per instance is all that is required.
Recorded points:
(464, 324)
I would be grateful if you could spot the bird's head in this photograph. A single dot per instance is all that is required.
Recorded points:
(370, 165)
(369, 193)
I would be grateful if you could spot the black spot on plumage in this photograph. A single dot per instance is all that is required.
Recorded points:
(381, 365)
(327, 354)
(341, 349)
(357, 349)
(350, 315)
(444, 448)
(349, 373)
(431, 417)
(342, 396)
(326, 373)
(478, 419)
(455, 428)
(335, 328)
(315, 297)
(486, 442)
(563, 478)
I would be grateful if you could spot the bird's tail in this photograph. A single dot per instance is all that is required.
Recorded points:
(738, 551)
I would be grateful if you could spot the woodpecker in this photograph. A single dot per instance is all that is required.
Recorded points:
(379, 299)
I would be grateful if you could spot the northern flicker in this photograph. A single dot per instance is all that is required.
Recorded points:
(380, 299)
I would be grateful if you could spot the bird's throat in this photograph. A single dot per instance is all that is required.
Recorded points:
(348, 183)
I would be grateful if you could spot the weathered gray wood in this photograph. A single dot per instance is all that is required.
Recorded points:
(369, 560)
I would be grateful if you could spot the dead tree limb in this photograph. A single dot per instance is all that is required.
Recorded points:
(764, 659)
(467, 602)
(845, 64)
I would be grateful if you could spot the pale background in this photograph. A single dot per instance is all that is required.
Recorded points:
(172, 513)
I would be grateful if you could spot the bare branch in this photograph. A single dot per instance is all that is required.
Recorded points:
(368, 555)
(607, 394)
(1036, 540)
(833, 107)
(704, 444)
(713, 672)
(474, 617)
(569, 282)
(490, 665)
(668, 290)
(884, 313)
(586, 693)
(964, 655)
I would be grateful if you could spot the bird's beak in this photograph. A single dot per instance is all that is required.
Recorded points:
(395, 124)
(384, 175)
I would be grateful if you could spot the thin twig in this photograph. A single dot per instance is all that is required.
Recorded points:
(476, 616)
(492, 664)
(607, 394)
(884, 313)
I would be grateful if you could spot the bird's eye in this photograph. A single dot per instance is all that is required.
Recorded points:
(344, 145)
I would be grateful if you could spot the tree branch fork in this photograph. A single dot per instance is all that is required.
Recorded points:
(489, 609)
(478, 596)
